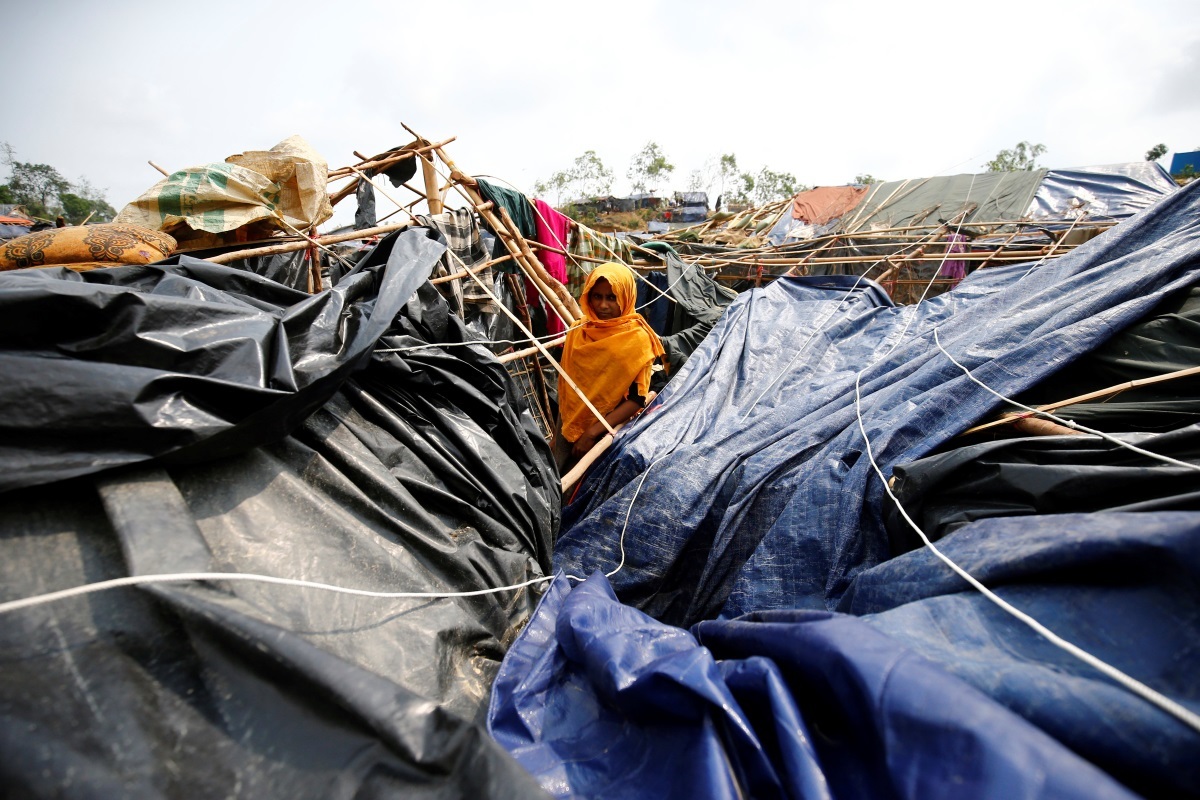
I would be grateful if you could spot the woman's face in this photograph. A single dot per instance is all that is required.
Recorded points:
(603, 301)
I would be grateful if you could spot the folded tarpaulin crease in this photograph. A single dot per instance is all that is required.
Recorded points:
(756, 445)
(595, 698)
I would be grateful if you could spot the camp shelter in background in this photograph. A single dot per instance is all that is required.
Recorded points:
(369, 409)
(13, 221)
(899, 232)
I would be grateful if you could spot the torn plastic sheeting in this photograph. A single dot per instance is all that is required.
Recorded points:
(184, 359)
(1103, 192)
(596, 699)
(761, 496)
(422, 472)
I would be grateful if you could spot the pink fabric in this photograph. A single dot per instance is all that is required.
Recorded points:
(955, 269)
(553, 230)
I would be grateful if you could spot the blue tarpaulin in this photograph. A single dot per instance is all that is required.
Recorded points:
(746, 490)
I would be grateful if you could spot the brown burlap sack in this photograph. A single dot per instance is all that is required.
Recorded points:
(84, 247)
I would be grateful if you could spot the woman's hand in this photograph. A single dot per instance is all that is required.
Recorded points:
(588, 440)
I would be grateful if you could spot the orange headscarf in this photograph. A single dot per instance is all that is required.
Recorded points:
(605, 357)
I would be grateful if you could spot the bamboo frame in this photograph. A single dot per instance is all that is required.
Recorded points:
(301, 244)
(1083, 398)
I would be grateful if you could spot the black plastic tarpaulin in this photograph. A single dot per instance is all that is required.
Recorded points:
(187, 417)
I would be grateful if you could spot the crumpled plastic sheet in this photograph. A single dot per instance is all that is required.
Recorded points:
(596, 699)
(742, 504)
(338, 462)
(759, 494)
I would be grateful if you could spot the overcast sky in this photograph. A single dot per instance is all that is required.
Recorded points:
(825, 91)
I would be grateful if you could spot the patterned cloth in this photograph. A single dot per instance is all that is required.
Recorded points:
(592, 244)
(85, 247)
(462, 234)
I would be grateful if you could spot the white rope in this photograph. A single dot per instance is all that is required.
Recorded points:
(181, 577)
(545, 338)
(1165, 703)
(1066, 422)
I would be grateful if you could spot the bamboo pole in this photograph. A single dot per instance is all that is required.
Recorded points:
(529, 351)
(1083, 398)
(160, 169)
(542, 348)
(787, 262)
(457, 276)
(433, 194)
(469, 189)
(389, 158)
(804, 261)
(539, 269)
(576, 472)
(293, 246)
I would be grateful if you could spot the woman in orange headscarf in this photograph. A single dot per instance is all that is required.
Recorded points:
(611, 354)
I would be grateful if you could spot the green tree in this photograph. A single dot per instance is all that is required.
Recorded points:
(1156, 152)
(649, 168)
(743, 189)
(1022, 157)
(866, 179)
(37, 187)
(44, 192)
(556, 185)
(587, 177)
(590, 175)
(769, 186)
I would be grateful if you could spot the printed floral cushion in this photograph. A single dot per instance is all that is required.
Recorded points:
(83, 247)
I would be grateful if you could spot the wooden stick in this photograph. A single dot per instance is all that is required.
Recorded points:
(1033, 426)
(511, 236)
(160, 169)
(293, 246)
(545, 279)
(433, 194)
(457, 276)
(388, 159)
(363, 177)
(528, 333)
(598, 449)
(528, 351)
(468, 188)
(1083, 398)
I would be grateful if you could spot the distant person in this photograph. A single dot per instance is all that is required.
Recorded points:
(614, 357)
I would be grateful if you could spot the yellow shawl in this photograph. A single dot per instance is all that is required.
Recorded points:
(605, 357)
